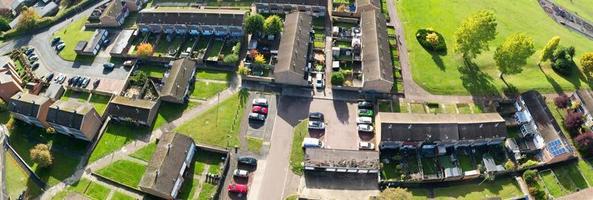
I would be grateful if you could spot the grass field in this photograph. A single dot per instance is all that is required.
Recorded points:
(17, 180)
(504, 188)
(583, 8)
(116, 136)
(448, 75)
(296, 151)
(88, 189)
(74, 95)
(554, 187)
(121, 196)
(204, 90)
(218, 126)
(213, 75)
(100, 102)
(71, 35)
(124, 172)
(145, 153)
(169, 112)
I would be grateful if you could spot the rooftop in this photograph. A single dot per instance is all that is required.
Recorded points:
(68, 113)
(293, 49)
(191, 16)
(177, 81)
(26, 104)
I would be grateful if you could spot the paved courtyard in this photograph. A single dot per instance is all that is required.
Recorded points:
(340, 119)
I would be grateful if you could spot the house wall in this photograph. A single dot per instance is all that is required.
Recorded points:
(91, 124)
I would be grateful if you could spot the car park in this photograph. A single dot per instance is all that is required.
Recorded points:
(238, 188)
(365, 105)
(260, 109)
(260, 102)
(365, 128)
(247, 160)
(316, 116)
(108, 65)
(257, 116)
(317, 125)
(365, 112)
(366, 146)
(241, 173)
(312, 143)
(364, 120)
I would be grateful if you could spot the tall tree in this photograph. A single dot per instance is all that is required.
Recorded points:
(28, 19)
(587, 62)
(4, 24)
(144, 49)
(474, 34)
(512, 54)
(41, 155)
(254, 24)
(273, 25)
(548, 50)
(395, 194)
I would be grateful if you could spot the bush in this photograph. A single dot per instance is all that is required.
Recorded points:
(431, 40)
(537, 192)
(338, 78)
(231, 59)
(529, 163)
(561, 101)
(585, 142)
(3, 106)
(40, 154)
(4, 24)
(530, 176)
(573, 120)
(243, 70)
(509, 165)
(563, 62)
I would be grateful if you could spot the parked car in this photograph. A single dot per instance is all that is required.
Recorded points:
(55, 41)
(31, 55)
(77, 82)
(128, 63)
(260, 102)
(72, 80)
(60, 78)
(106, 42)
(247, 160)
(85, 82)
(49, 77)
(365, 128)
(238, 188)
(96, 83)
(366, 146)
(317, 125)
(365, 105)
(35, 65)
(312, 143)
(257, 116)
(316, 116)
(365, 112)
(108, 65)
(241, 173)
(260, 109)
(60, 46)
(33, 59)
(364, 120)
(319, 82)
(29, 51)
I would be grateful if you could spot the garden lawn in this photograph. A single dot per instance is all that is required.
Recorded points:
(124, 172)
(169, 112)
(390, 171)
(207, 158)
(218, 126)
(71, 35)
(153, 70)
(88, 189)
(586, 170)
(204, 90)
(145, 153)
(116, 135)
(297, 153)
(121, 196)
(504, 188)
(583, 8)
(570, 177)
(207, 191)
(214, 49)
(17, 180)
(79, 96)
(162, 50)
(443, 74)
(213, 75)
(465, 162)
(188, 189)
(100, 102)
(552, 184)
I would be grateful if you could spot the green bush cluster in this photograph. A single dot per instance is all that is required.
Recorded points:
(439, 44)
(563, 62)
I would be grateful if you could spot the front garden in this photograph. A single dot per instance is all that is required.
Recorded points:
(71, 35)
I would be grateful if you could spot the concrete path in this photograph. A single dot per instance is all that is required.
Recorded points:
(523, 185)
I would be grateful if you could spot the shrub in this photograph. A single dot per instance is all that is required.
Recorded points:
(4, 24)
(144, 50)
(254, 24)
(338, 78)
(3, 106)
(561, 101)
(585, 142)
(573, 120)
(28, 19)
(138, 78)
(431, 40)
(243, 70)
(259, 59)
(273, 25)
(563, 62)
(395, 194)
(529, 163)
(530, 176)
(231, 59)
(509, 165)
(537, 192)
(40, 154)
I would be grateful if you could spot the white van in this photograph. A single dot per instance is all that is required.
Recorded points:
(364, 120)
(312, 143)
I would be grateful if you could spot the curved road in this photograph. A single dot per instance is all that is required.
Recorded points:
(51, 62)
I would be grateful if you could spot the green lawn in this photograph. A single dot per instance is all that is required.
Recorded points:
(17, 180)
(254, 144)
(116, 135)
(429, 166)
(153, 70)
(214, 49)
(443, 74)
(204, 90)
(583, 8)
(162, 50)
(207, 191)
(570, 177)
(145, 153)
(503, 187)
(79, 96)
(417, 108)
(586, 170)
(188, 189)
(88, 189)
(71, 35)
(213, 75)
(130, 22)
(297, 153)
(465, 162)
(121, 196)
(207, 158)
(554, 187)
(124, 172)
(169, 112)
(100, 102)
(218, 126)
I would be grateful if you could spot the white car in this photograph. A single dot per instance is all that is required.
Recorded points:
(366, 146)
(241, 173)
(318, 125)
(260, 102)
(319, 82)
(364, 120)
(365, 128)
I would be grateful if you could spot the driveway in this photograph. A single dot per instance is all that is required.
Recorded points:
(343, 186)
(340, 120)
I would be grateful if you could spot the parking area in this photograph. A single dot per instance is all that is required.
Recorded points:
(340, 120)
(331, 185)
(262, 129)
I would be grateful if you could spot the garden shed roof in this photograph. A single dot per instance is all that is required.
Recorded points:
(293, 52)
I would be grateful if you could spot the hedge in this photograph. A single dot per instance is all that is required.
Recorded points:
(441, 46)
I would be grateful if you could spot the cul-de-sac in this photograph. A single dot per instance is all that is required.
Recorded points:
(296, 99)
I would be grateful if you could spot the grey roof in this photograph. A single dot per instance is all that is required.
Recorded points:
(189, 16)
(4, 60)
(163, 169)
(177, 81)
(440, 127)
(114, 9)
(54, 91)
(319, 157)
(296, 2)
(80, 46)
(69, 113)
(122, 41)
(26, 104)
(360, 4)
(376, 54)
(543, 118)
(293, 49)
(586, 97)
(137, 109)
(95, 40)
(48, 9)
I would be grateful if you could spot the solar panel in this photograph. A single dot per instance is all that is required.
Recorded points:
(556, 148)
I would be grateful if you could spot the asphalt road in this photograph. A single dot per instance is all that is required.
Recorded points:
(51, 62)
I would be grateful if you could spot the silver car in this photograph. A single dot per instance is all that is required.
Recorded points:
(365, 128)
(364, 120)
(318, 125)
(241, 173)
(366, 146)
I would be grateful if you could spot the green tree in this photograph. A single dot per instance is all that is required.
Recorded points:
(548, 50)
(254, 24)
(338, 78)
(4, 24)
(231, 59)
(41, 155)
(587, 62)
(395, 194)
(28, 19)
(474, 34)
(273, 25)
(512, 54)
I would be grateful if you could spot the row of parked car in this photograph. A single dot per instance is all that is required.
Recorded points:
(259, 110)
(30, 53)
(364, 123)
(58, 44)
(242, 189)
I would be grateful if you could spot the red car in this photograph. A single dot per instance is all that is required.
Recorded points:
(239, 188)
(260, 109)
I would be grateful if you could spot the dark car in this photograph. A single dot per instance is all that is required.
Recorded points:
(316, 116)
(77, 81)
(29, 51)
(257, 116)
(55, 41)
(72, 80)
(85, 82)
(108, 65)
(49, 76)
(247, 160)
(96, 83)
(365, 105)
(35, 65)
